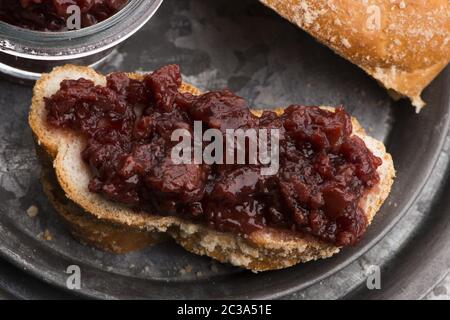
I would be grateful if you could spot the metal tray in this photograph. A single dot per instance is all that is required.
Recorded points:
(268, 61)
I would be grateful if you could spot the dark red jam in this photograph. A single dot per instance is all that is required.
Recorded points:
(51, 15)
(324, 170)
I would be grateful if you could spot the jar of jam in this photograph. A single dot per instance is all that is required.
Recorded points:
(58, 15)
(35, 38)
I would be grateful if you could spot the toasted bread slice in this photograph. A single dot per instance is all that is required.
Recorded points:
(267, 249)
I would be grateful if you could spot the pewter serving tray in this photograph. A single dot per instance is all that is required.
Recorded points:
(270, 62)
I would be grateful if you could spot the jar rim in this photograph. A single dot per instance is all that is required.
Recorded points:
(46, 45)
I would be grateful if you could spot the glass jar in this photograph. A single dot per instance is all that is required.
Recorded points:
(25, 54)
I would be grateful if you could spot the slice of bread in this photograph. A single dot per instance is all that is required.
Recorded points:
(267, 249)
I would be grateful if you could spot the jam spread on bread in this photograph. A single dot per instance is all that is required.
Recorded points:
(324, 170)
(51, 15)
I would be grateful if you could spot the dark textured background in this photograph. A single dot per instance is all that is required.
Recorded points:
(270, 62)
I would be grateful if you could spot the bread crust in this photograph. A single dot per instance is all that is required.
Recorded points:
(267, 249)
(404, 44)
